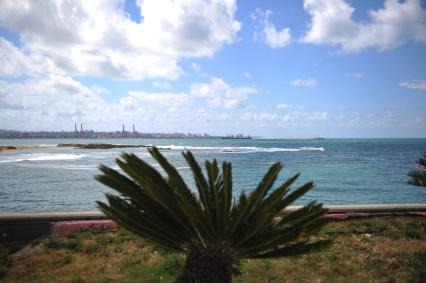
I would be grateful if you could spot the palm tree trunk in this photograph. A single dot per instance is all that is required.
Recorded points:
(203, 266)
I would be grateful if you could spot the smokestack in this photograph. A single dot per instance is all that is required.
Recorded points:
(81, 127)
(134, 131)
(123, 129)
(75, 127)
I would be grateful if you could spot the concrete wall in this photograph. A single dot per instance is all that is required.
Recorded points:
(24, 227)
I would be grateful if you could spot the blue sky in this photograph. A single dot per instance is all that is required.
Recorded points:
(329, 68)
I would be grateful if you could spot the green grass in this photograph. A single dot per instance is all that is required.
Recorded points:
(368, 250)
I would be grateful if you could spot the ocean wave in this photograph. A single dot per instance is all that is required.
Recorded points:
(79, 167)
(240, 149)
(47, 145)
(182, 167)
(43, 157)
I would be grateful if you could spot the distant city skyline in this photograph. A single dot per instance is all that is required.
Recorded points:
(313, 68)
(89, 133)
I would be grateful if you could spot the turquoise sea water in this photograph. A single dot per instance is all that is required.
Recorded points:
(346, 171)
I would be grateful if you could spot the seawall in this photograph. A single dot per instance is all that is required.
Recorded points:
(25, 227)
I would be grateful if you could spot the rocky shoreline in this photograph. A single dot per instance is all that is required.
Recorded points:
(98, 145)
(75, 145)
(15, 147)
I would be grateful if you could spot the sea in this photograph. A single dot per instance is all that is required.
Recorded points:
(345, 171)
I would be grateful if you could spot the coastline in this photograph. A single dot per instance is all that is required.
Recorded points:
(16, 147)
(76, 145)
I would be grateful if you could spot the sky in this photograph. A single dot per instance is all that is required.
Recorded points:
(327, 68)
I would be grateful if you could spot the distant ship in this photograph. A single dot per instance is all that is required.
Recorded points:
(238, 136)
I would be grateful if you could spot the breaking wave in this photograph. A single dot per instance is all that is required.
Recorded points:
(79, 167)
(240, 149)
(43, 157)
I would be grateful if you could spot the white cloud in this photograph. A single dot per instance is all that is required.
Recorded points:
(289, 106)
(381, 120)
(100, 90)
(418, 120)
(304, 119)
(272, 37)
(50, 100)
(157, 99)
(283, 106)
(309, 82)
(195, 67)
(262, 117)
(419, 85)
(268, 117)
(316, 116)
(357, 75)
(59, 101)
(162, 85)
(14, 62)
(293, 117)
(339, 117)
(219, 93)
(371, 120)
(98, 38)
(247, 75)
(397, 22)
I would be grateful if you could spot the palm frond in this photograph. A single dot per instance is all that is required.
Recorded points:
(166, 211)
(294, 249)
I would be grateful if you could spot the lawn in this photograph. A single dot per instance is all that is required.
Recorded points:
(391, 249)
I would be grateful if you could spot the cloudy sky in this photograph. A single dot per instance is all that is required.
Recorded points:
(330, 68)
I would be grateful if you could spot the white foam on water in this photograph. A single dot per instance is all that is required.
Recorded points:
(43, 157)
(80, 167)
(240, 149)
(183, 167)
(47, 145)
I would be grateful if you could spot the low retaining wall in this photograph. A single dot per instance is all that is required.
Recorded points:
(25, 227)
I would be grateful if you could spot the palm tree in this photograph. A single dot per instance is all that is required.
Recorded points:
(422, 161)
(418, 175)
(212, 228)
